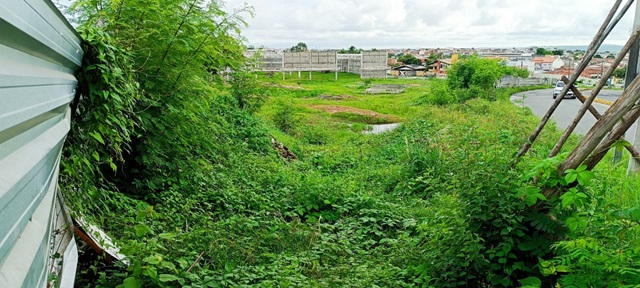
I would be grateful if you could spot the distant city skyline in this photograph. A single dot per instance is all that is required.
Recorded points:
(384, 24)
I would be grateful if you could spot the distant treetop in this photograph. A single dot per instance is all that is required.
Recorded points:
(300, 47)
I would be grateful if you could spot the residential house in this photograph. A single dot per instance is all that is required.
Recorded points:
(438, 67)
(592, 71)
(409, 71)
(547, 63)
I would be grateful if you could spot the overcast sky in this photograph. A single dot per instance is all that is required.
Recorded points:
(367, 24)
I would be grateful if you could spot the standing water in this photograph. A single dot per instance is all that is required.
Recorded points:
(379, 128)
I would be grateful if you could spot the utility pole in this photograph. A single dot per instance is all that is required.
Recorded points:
(632, 72)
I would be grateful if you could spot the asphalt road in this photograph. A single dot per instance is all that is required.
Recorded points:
(539, 102)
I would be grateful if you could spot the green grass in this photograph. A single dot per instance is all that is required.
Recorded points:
(431, 203)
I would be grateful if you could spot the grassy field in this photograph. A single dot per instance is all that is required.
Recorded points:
(438, 202)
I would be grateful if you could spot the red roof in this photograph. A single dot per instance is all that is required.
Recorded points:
(545, 59)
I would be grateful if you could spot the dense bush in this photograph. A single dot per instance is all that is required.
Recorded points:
(471, 78)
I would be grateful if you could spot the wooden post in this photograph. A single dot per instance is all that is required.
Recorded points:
(616, 134)
(634, 54)
(634, 152)
(582, 99)
(603, 126)
(591, 51)
(587, 104)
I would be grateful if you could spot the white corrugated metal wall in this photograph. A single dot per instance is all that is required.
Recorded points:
(39, 53)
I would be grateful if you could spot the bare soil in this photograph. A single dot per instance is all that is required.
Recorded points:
(335, 109)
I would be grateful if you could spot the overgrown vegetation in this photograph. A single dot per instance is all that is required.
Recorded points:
(170, 152)
(470, 78)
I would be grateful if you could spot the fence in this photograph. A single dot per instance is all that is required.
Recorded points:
(39, 53)
(369, 64)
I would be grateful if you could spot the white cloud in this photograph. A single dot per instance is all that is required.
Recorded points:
(419, 23)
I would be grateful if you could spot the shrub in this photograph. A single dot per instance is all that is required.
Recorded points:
(439, 94)
(284, 117)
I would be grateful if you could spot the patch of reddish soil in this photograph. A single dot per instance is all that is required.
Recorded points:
(335, 109)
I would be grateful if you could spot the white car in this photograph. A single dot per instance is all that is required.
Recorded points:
(559, 86)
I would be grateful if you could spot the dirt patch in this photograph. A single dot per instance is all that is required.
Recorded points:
(283, 151)
(336, 109)
(335, 97)
(287, 87)
(351, 114)
(386, 89)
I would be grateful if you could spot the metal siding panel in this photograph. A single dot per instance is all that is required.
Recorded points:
(19, 104)
(25, 265)
(25, 176)
(26, 23)
(39, 52)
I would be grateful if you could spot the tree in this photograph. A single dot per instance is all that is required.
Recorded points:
(435, 56)
(300, 47)
(480, 73)
(558, 52)
(173, 61)
(409, 59)
(351, 50)
(598, 56)
(620, 72)
(542, 51)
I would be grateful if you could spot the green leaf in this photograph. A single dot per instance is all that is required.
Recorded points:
(183, 263)
(95, 155)
(531, 282)
(97, 136)
(131, 282)
(567, 199)
(150, 271)
(167, 236)
(585, 176)
(571, 177)
(575, 222)
(167, 278)
(531, 199)
(141, 230)
(113, 166)
(153, 259)
(581, 195)
(635, 213)
(544, 263)
(169, 265)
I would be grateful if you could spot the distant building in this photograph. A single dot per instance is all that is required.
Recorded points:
(547, 63)
(514, 59)
(439, 67)
(592, 71)
(409, 71)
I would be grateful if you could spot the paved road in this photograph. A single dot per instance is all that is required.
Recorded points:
(606, 94)
(539, 102)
